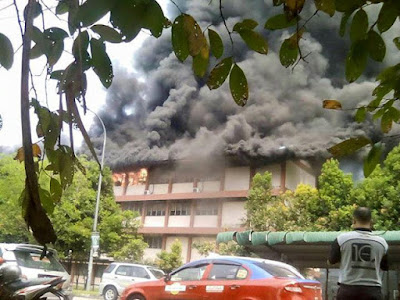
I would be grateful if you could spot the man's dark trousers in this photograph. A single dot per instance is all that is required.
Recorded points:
(354, 292)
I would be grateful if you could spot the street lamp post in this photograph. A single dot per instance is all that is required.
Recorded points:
(95, 234)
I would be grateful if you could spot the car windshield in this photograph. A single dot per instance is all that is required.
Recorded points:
(29, 259)
(277, 271)
(157, 273)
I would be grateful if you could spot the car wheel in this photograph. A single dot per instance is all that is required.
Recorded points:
(110, 293)
(136, 297)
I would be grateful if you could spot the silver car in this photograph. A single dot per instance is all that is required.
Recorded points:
(118, 276)
(27, 257)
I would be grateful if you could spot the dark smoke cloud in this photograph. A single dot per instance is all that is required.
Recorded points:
(170, 114)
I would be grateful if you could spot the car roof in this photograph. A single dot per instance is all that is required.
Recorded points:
(133, 264)
(13, 246)
(239, 261)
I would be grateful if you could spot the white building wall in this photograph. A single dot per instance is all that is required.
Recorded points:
(209, 186)
(195, 254)
(179, 221)
(205, 221)
(118, 190)
(296, 175)
(237, 179)
(154, 221)
(185, 244)
(275, 170)
(186, 187)
(151, 254)
(135, 189)
(159, 188)
(233, 213)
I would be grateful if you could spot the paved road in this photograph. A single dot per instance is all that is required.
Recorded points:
(87, 297)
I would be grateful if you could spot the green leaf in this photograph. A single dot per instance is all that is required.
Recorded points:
(73, 19)
(101, 62)
(36, 52)
(376, 46)
(179, 39)
(374, 104)
(348, 5)
(387, 16)
(383, 89)
(288, 53)
(55, 190)
(238, 85)
(46, 200)
(254, 41)
(123, 17)
(217, 47)
(373, 159)
(62, 8)
(220, 73)
(36, 11)
(55, 34)
(6, 52)
(278, 2)
(66, 164)
(396, 41)
(378, 114)
(245, 24)
(343, 22)
(58, 75)
(360, 115)
(356, 60)
(279, 22)
(107, 33)
(327, 6)
(195, 36)
(388, 118)
(200, 62)
(359, 26)
(153, 16)
(80, 49)
(389, 73)
(349, 146)
(93, 10)
(55, 52)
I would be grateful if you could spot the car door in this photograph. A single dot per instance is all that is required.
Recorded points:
(224, 281)
(123, 277)
(186, 283)
(139, 274)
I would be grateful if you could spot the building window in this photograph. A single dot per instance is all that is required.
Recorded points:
(207, 208)
(155, 209)
(133, 206)
(154, 242)
(181, 208)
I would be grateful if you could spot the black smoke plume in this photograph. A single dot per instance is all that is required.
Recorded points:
(166, 113)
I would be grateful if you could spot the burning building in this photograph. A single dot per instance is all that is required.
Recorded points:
(193, 201)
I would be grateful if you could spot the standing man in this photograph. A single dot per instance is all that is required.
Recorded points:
(362, 258)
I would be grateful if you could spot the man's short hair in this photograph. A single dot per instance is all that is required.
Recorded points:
(362, 215)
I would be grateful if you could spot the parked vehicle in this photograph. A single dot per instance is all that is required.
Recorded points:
(13, 287)
(228, 278)
(32, 265)
(118, 276)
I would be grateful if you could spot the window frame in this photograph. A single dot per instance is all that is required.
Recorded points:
(239, 267)
(124, 266)
(205, 265)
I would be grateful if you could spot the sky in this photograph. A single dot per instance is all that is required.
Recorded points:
(121, 55)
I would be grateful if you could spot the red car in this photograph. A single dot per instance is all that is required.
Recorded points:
(228, 278)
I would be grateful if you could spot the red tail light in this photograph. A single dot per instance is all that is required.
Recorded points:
(293, 288)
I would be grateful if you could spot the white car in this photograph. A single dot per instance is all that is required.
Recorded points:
(27, 257)
(118, 276)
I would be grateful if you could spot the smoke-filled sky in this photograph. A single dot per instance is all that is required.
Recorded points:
(162, 111)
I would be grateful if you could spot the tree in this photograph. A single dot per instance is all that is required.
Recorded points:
(231, 248)
(168, 261)
(380, 192)
(12, 226)
(328, 208)
(258, 202)
(127, 18)
(73, 215)
(73, 218)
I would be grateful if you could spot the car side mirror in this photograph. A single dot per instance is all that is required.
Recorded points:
(147, 276)
(167, 277)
